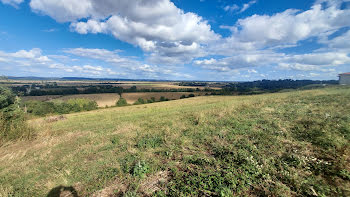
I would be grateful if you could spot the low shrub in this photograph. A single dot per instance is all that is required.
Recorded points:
(191, 95)
(139, 101)
(162, 98)
(121, 102)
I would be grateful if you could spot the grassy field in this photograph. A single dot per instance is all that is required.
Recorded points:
(282, 144)
(109, 99)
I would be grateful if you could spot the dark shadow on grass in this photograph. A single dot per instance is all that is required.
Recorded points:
(57, 191)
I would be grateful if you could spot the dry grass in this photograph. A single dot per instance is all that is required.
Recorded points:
(243, 142)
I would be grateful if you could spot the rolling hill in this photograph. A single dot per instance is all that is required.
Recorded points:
(282, 144)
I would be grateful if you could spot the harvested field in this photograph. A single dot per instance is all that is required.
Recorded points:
(132, 97)
(109, 99)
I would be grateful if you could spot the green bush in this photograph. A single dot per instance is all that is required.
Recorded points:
(78, 105)
(121, 102)
(191, 95)
(13, 125)
(162, 98)
(139, 101)
(183, 96)
(7, 98)
(40, 108)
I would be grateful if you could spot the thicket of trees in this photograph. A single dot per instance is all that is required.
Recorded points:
(264, 86)
(12, 118)
(67, 90)
(40, 108)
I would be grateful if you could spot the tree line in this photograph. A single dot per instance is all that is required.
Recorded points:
(269, 86)
(61, 90)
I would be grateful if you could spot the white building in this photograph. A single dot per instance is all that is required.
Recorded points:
(344, 79)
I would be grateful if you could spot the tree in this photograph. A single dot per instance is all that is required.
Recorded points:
(12, 120)
(139, 101)
(4, 78)
(7, 98)
(162, 98)
(191, 95)
(121, 102)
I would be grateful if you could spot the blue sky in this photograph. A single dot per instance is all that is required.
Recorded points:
(237, 40)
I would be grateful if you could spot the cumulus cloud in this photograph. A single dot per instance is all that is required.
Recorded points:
(156, 26)
(169, 36)
(291, 26)
(33, 56)
(13, 3)
(256, 39)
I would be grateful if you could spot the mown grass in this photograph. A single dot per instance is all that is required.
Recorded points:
(283, 144)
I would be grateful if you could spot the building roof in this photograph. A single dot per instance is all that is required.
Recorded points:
(345, 73)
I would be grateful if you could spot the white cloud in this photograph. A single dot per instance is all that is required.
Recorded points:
(290, 26)
(33, 56)
(303, 67)
(247, 5)
(321, 59)
(169, 36)
(156, 26)
(13, 3)
(231, 8)
(129, 63)
(341, 42)
(239, 61)
(255, 39)
(252, 71)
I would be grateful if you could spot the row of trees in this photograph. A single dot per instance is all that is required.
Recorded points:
(65, 90)
(264, 86)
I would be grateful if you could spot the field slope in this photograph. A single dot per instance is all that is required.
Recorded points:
(282, 144)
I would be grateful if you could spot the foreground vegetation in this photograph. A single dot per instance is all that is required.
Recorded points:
(282, 144)
(13, 124)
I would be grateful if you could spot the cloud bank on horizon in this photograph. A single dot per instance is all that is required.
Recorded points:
(161, 39)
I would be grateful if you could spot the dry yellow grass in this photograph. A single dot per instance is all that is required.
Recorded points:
(102, 100)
